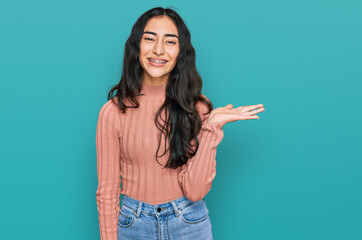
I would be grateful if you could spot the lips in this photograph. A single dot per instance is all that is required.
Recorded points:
(157, 62)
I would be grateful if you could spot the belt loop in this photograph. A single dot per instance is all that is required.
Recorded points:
(139, 209)
(177, 212)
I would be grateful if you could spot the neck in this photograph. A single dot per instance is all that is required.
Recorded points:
(151, 81)
(154, 90)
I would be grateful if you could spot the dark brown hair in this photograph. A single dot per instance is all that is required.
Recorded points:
(183, 90)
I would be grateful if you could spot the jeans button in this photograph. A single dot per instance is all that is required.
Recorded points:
(159, 209)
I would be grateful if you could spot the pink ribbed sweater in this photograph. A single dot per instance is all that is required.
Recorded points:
(126, 147)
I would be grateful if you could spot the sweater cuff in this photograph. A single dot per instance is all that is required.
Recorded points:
(214, 126)
(214, 131)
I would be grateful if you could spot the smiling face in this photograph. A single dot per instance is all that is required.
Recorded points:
(159, 48)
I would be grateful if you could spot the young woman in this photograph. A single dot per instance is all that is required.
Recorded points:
(158, 105)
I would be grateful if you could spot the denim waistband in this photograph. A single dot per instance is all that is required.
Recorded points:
(174, 206)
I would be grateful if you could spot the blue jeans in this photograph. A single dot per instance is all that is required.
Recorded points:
(180, 219)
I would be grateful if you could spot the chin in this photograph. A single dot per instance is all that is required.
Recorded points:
(156, 74)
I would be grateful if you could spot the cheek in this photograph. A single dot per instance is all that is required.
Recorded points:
(144, 49)
(174, 54)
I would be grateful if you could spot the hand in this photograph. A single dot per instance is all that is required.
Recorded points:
(229, 114)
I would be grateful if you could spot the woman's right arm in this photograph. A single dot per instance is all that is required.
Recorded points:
(108, 170)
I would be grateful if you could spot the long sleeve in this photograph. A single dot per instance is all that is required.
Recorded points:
(195, 177)
(108, 170)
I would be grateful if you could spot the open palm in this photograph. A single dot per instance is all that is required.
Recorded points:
(229, 114)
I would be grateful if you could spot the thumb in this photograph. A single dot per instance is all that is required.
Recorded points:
(229, 106)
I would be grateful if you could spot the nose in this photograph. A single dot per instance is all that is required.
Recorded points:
(159, 48)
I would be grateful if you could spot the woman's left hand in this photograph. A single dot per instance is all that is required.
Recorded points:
(229, 114)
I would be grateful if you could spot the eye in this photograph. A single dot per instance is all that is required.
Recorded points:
(172, 42)
(149, 39)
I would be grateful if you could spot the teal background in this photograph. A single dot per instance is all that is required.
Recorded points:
(295, 173)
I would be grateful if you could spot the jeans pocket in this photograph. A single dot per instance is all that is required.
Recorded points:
(196, 212)
(126, 216)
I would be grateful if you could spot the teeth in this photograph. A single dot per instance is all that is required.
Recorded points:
(156, 61)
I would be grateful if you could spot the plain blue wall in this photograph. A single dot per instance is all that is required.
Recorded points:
(293, 174)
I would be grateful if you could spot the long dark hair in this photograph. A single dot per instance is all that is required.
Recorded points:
(183, 90)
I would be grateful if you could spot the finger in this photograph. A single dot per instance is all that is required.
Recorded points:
(245, 118)
(242, 117)
(255, 111)
(248, 117)
(234, 110)
(251, 107)
(229, 106)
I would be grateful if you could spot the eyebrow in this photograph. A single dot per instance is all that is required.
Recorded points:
(166, 34)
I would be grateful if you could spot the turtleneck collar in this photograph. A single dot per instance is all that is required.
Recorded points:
(150, 90)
